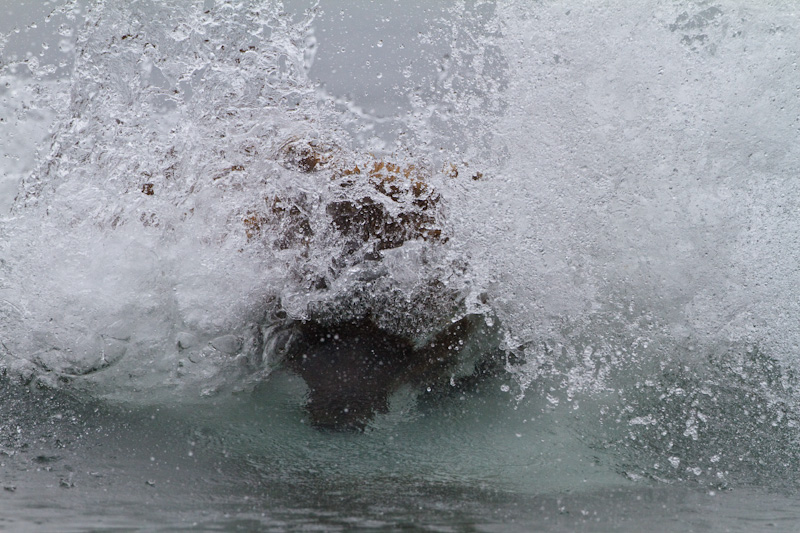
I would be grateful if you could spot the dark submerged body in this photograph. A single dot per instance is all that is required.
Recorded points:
(352, 368)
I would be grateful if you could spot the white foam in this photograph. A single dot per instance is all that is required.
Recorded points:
(637, 190)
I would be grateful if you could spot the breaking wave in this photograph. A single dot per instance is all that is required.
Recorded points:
(614, 188)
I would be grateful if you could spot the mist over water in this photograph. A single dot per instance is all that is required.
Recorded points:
(618, 194)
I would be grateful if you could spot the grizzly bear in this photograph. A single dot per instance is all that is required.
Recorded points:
(350, 363)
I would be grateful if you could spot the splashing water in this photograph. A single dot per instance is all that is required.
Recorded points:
(149, 224)
(611, 186)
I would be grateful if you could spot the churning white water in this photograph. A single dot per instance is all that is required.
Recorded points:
(617, 187)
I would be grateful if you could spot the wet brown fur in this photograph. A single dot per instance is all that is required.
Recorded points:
(352, 367)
